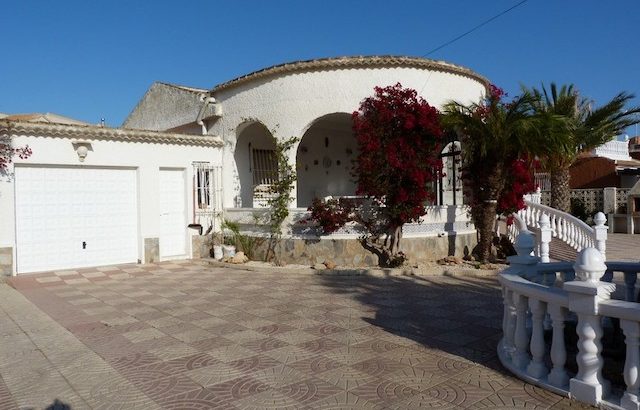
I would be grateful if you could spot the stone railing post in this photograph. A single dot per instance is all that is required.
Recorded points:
(600, 229)
(545, 237)
(524, 263)
(585, 295)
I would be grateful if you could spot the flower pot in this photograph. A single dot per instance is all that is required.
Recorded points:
(217, 252)
(228, 251)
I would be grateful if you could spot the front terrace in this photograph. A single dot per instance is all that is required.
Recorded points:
(188, 336)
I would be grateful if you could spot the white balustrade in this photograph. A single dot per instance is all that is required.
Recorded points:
(531, 293)
(555, 223)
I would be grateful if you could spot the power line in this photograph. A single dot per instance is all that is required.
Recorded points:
(475, 28)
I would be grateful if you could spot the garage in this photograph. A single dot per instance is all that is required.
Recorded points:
(73, 217)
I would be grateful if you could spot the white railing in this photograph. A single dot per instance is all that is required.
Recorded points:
(543, 297)
(613, 150)
(566, 227)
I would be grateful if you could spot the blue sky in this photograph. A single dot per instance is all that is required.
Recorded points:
(90, 59)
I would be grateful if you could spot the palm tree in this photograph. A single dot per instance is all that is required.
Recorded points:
(493, 135)
(584, 129)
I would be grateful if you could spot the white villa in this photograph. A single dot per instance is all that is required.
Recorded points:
(92, 195)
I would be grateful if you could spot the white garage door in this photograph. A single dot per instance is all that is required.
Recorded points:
(173, 219)
(75, 217)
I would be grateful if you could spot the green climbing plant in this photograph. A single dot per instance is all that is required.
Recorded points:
(280, 196)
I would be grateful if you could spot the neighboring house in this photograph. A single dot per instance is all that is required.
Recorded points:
(164, 161)
(609, 165)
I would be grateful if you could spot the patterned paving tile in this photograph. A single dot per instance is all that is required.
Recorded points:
(231, 353)
(190, 336)
(316, 364)
(458, 393)
(527, 393)
(197, 400)
(269, 399)
(347, 401)
(309, 390)
(210, 375)
(346, 378)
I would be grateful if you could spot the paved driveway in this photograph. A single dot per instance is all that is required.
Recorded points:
(187, 335)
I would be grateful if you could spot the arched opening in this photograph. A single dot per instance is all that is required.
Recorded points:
(256, 164)
(324, 159)
(450, 190)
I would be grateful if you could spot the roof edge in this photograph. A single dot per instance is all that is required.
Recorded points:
(353, 62)
(94, 132)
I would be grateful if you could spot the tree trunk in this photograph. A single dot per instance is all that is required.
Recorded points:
(388, 251)
(560, 190)
(485, 226)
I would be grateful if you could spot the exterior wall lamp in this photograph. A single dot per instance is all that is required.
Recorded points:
(82, 148)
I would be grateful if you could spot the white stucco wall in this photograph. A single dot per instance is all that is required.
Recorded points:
(146, 158)
(289, 103)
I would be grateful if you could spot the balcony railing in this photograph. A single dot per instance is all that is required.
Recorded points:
(541, 299)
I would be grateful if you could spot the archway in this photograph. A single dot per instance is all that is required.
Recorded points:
(450, 188)
(324, 159)
(256, 163)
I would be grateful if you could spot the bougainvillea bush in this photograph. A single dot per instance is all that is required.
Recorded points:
(8, 152)
(398, 136)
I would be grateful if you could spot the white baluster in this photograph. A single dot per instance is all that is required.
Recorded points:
(584, 296)
(545, 238)
(536, 367)
(509, 323)
(631, 333)
(558, 376)
(521, 356)
(600, 234)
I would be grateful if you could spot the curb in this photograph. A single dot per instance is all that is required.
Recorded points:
(437, 270)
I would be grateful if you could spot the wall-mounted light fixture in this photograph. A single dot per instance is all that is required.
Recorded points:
(82, 148)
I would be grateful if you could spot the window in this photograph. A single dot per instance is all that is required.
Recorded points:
(265, 166)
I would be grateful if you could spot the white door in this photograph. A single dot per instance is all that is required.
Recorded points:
(173, 218)
(75, 217)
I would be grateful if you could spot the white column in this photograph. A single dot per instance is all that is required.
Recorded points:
(585, 294)
(600, 233)
(631, 333)
(508, 323)
(521, 355)
(536, 367)
(545, 237)
(558, 376)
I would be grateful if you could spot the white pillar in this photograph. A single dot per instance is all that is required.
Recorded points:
(631, 334)
(601, 234)
(558, 376)
(536, 367)
(524, 263)
(521, 355)
(545, 237)
(585, 294)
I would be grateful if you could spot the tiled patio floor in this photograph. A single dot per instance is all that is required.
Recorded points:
(188, 336)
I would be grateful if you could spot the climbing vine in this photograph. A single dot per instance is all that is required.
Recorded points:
(280, 195)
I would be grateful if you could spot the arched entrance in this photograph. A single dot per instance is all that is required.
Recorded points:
(450, 189)
(324, 159)
(256, 164)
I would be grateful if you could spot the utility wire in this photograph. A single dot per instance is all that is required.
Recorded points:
(474, 29)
